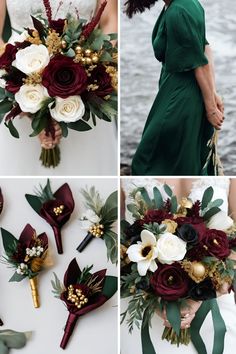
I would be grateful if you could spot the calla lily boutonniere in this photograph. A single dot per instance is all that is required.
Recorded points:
(82, 292)
(56, 208)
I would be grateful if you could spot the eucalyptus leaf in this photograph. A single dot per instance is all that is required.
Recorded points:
(168, 190)
(174, 204)
(12, 339)
(12, 129)
(6, 106)
(207, 197)
(211, 213)
(158, 198)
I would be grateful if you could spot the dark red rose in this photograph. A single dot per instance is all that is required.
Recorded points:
(156, 216)
(8, 56)
(58, 25)
(189, 220)
(188, 234)
(170, 282)
(100, 77)
(14, 80)
(216, 244)
(63, 77)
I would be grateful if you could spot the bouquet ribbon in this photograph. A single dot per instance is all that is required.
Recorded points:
(218, 323)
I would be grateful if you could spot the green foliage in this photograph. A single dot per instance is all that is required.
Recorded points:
(135, 310)
(109, 211)
(207, 197)
(155, 228)
(92, 199)
(80, 125)
(34, 202)
(5, 105)
(17, 277)
(45, 193)
(110, 286)
(111, 241)
(58, 287)
(158, 198)
(85, 275)
(9, 242)
(168, 190)
(123, 226)
(12, 129)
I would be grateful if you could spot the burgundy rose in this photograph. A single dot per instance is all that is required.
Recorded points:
(14, 80)
(156, 216)
(188, 234)
(63, 77)
(216, 244)
(58, 25)
(58, 211)
(8, 56)
(170, 282)
(100, 77)
(196, 222)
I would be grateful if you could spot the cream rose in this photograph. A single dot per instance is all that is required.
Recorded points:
(32, 59)
(170, 248)
(220, 221)
(30, 97)
(68, 109)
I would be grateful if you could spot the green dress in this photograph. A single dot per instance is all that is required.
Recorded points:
(176, 137)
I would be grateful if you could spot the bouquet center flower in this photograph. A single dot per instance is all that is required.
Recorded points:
(147, 252)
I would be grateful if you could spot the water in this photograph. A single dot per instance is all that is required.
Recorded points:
(140, 73)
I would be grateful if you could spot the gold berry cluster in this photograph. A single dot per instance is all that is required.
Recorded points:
(86, 56)
(58, 210)
(34, 38)
(53, 42)
(97, 230)
(33, 79)
(76, 297)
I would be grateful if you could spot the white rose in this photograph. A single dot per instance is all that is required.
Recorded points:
(32, 59)
(170, 248)
(68, 109)
(2, 81)
(30, 97)
(220, 221)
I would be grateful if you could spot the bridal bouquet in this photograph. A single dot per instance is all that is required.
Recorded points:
(26, 256)
(82, 292)
(62, 71)
(172, 253)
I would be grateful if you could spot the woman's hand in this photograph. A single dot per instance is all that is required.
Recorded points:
(47, 141)
(187, 314)
(219, 103)
(215, 117)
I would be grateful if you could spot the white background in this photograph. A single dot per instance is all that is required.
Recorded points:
(96, 332)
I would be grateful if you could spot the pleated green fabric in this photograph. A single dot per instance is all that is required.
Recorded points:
(176, 135)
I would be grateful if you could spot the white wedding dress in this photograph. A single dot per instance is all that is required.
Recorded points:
(132, 343)
(82, 153)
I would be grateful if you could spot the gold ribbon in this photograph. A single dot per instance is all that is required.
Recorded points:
(34, 291)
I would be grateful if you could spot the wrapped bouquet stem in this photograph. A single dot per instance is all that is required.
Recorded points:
(50, 157)
(27, 256)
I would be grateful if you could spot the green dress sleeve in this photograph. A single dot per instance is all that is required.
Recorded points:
(185, 40)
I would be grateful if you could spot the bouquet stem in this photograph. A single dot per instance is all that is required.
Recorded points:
(170, 335)
(1, 323)
(50, 157)
(57, 234)
(85, 242)
(69, 328)
(34, 291)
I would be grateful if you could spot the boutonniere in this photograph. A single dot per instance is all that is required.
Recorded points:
(27, 256)
(98, 221)
(1, 201)
(82, 292)
(56, 208)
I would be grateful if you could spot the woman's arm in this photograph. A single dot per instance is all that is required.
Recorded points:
(2, 19)
(206, 81)
(109, 19)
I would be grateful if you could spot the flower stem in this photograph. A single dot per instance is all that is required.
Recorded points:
(170, 335)
(50, 157)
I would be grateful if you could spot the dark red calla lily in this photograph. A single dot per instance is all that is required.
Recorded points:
(63, 198)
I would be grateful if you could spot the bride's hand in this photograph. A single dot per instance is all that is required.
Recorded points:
(187, 314)
(215, 117)
(219, 102)
(47, 142)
